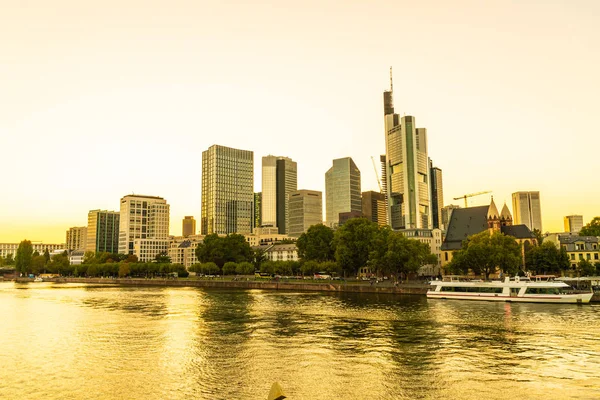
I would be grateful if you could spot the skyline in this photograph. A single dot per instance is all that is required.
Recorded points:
(96, 105)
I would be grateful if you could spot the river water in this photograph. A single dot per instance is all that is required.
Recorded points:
(77, 341)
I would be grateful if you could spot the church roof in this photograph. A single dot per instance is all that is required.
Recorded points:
(505, 214)
(518, 231)
(493, 211)
(463, 223)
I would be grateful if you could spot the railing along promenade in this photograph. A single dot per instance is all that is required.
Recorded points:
(416, 288)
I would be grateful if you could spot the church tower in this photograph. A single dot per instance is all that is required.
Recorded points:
(505, 217)
(493, 217)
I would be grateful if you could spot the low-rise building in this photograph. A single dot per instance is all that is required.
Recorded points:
(432, 237)
(182, 250)
(11, 248)
(578, 248)
(76, 257)
(263, 239)
(282, 252)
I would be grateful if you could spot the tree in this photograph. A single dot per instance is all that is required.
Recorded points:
(353, 243)
(546, 258)
(35, 254)
(484, 253)
(130, 258)
(220, 250)
(539, 236)
(60, 264)
(316, 244)
(37, 264)
(586, 268)
(162, 258)
(244, 268)
(397, 254)
(258, 257)
(24, 255)
(47, 256)
(124, 270)
(9, 260)
(592, 228)
(229, 268)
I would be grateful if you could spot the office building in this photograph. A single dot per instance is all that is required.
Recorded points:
(188, 226)
(306, 210)
(374, 208)
(227, 190)
(437, 195)
(527, 209)
(279, 179)
(77, 238)
(407, 170)
(103, 231)
(573, 223)
(342, 190)
(144, 226)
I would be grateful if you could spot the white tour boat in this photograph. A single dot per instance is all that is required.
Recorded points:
(514, 290)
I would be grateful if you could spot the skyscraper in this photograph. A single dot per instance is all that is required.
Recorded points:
(306, 210)
(437, 195)
(188, 226)
(527, 209)
(103, 231)
(407, 169)
(342, 190)
(374, 207)
(279, 179)
(446, 215)
(573, 223)
(144, 226)
(77, 238)
(227, 190)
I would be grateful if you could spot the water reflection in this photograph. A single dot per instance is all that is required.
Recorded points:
(99, 342)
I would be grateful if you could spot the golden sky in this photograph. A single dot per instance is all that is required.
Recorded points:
(102, 99)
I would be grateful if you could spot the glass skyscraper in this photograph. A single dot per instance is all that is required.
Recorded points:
(279, 179)
(227, 191)
(342, 190)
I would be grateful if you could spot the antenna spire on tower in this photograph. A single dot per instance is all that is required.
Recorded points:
(391, 81)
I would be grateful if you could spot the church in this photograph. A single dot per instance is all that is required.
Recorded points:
(465, 222)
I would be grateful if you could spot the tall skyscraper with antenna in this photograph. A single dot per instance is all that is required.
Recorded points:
(407, 169)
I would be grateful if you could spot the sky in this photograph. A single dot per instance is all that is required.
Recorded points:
(103, 99)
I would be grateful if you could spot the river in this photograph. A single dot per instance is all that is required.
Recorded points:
(79, 341)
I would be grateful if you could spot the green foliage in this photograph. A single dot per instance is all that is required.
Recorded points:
(546, 258)
(162, 258)
(397, 254)
(258, 257)
(586, 268)
(230, 268)
(310, 267)
(59, 264)
(220, 250)
(539, 237)
(484, 253)
(124, 270)
(47, 256)
(35, 254)
(592, 228)
(37, 264)
(9, 260)
(354, 242)
(131, 258)
(23, 258)
(244, 268)
(316, 244)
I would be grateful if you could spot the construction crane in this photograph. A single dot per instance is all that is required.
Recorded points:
(376, 175)
(465, 196)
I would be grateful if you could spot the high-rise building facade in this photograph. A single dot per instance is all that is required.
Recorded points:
(188, 226)
(279, 179)
(573, 223)
(257, 218)
(437, 195)
(306, 210)
(407, 170)
(342, 190)
(103, 231)
(227, 190)
(144, 226)
(77, 238)
(527, 209)
(374, 207)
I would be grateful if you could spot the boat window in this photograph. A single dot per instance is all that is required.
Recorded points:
(461, 289)
(532, 290)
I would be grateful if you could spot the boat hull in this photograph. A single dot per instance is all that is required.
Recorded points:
(564, 298)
